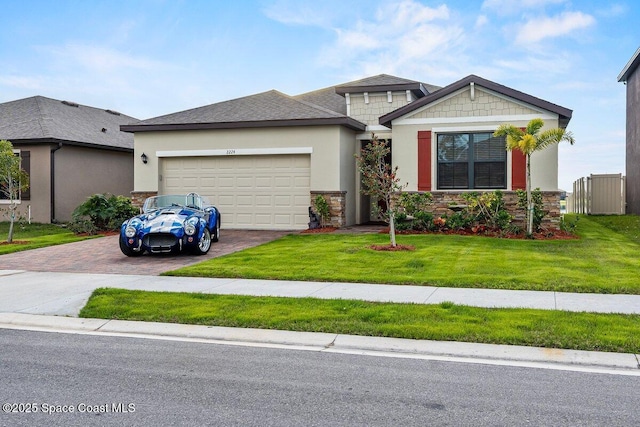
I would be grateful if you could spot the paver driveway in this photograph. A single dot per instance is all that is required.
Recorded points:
(102, 255)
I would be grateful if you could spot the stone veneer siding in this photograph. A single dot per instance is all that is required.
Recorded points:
(138, 197)
(337, 206)
(550, 200)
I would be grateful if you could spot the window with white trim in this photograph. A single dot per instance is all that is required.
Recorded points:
(25, 165)
(471, 160)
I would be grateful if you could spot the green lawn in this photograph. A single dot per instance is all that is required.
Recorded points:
(33, 236)
(442, 322)
(604, 260)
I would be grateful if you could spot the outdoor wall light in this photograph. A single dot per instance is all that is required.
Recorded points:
(144, 158)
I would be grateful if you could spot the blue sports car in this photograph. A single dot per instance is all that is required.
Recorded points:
(171, 223)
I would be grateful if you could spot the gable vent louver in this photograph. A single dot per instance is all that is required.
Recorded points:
(70, 104)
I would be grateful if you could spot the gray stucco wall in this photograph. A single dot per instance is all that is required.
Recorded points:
(633, 143)
(81, 172)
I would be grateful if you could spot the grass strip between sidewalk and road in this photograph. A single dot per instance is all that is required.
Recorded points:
(441, 322)
(603, 260)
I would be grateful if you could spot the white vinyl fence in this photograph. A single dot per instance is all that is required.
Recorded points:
(598, 195)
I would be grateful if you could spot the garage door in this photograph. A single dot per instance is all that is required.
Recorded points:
(252, 192)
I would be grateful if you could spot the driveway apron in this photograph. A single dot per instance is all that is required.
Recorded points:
(102, 255)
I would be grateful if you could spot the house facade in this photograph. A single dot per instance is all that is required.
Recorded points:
(631, 78)
(262, 159)
(70, 151)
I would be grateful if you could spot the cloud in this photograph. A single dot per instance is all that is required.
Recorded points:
(481, 21)
(410, 13)
(541, 28)
(21, 82)
(509, 7)
(614, 10)
(402, 36)
(296, 12)
(99, 59)
(357, 40)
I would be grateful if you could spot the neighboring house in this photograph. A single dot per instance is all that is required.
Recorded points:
(70, 151)
(262, 159)
(631, 77)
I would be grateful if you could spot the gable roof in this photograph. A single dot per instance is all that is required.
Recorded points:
(385, 82)
(630, 67)
(266, 109)
(563, 113)
(41, 119)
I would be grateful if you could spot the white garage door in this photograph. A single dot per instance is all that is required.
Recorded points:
(252, 192)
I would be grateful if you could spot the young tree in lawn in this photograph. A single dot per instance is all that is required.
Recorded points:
(529, 141)
(379, 180)
(12, 180)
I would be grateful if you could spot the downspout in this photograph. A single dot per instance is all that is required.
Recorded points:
(52, 181)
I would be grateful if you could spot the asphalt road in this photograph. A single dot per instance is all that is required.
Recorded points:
(144, 382)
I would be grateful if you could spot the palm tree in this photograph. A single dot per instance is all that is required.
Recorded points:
(529, 141)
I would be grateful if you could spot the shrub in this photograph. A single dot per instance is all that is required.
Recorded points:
(82, 226)
(322, 207)
(423, 221)
(488, 209)
(412, 203)
(569, 226)
(103, 212)
(412, 211)
(457, 221)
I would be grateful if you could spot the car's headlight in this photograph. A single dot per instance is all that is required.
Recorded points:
(130, 231)
(190, 228)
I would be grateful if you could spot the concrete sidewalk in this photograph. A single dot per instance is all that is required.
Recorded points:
(51, 302)
(64, 294)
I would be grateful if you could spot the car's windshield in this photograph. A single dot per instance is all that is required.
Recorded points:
(172, 200)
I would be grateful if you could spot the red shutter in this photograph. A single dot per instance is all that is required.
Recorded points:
(518, 170)
(424, 160)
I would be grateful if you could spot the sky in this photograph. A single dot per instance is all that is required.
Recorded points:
(147, 58)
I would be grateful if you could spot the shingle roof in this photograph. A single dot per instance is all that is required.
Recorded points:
(327, 98)
(265, 109)
(563, 113)
(385, 82)
(39, 118)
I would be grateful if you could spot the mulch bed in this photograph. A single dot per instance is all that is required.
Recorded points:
(319, 230)
(541, 235)
(15, 242)
(392, 248)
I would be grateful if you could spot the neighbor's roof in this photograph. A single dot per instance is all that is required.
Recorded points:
(563, 113)
(630, 67)
(267, 109)
(40, 119)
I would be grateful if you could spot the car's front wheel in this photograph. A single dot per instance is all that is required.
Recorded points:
(204, 244)
(127, 250)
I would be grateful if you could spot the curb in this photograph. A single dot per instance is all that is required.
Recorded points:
(549, 358)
